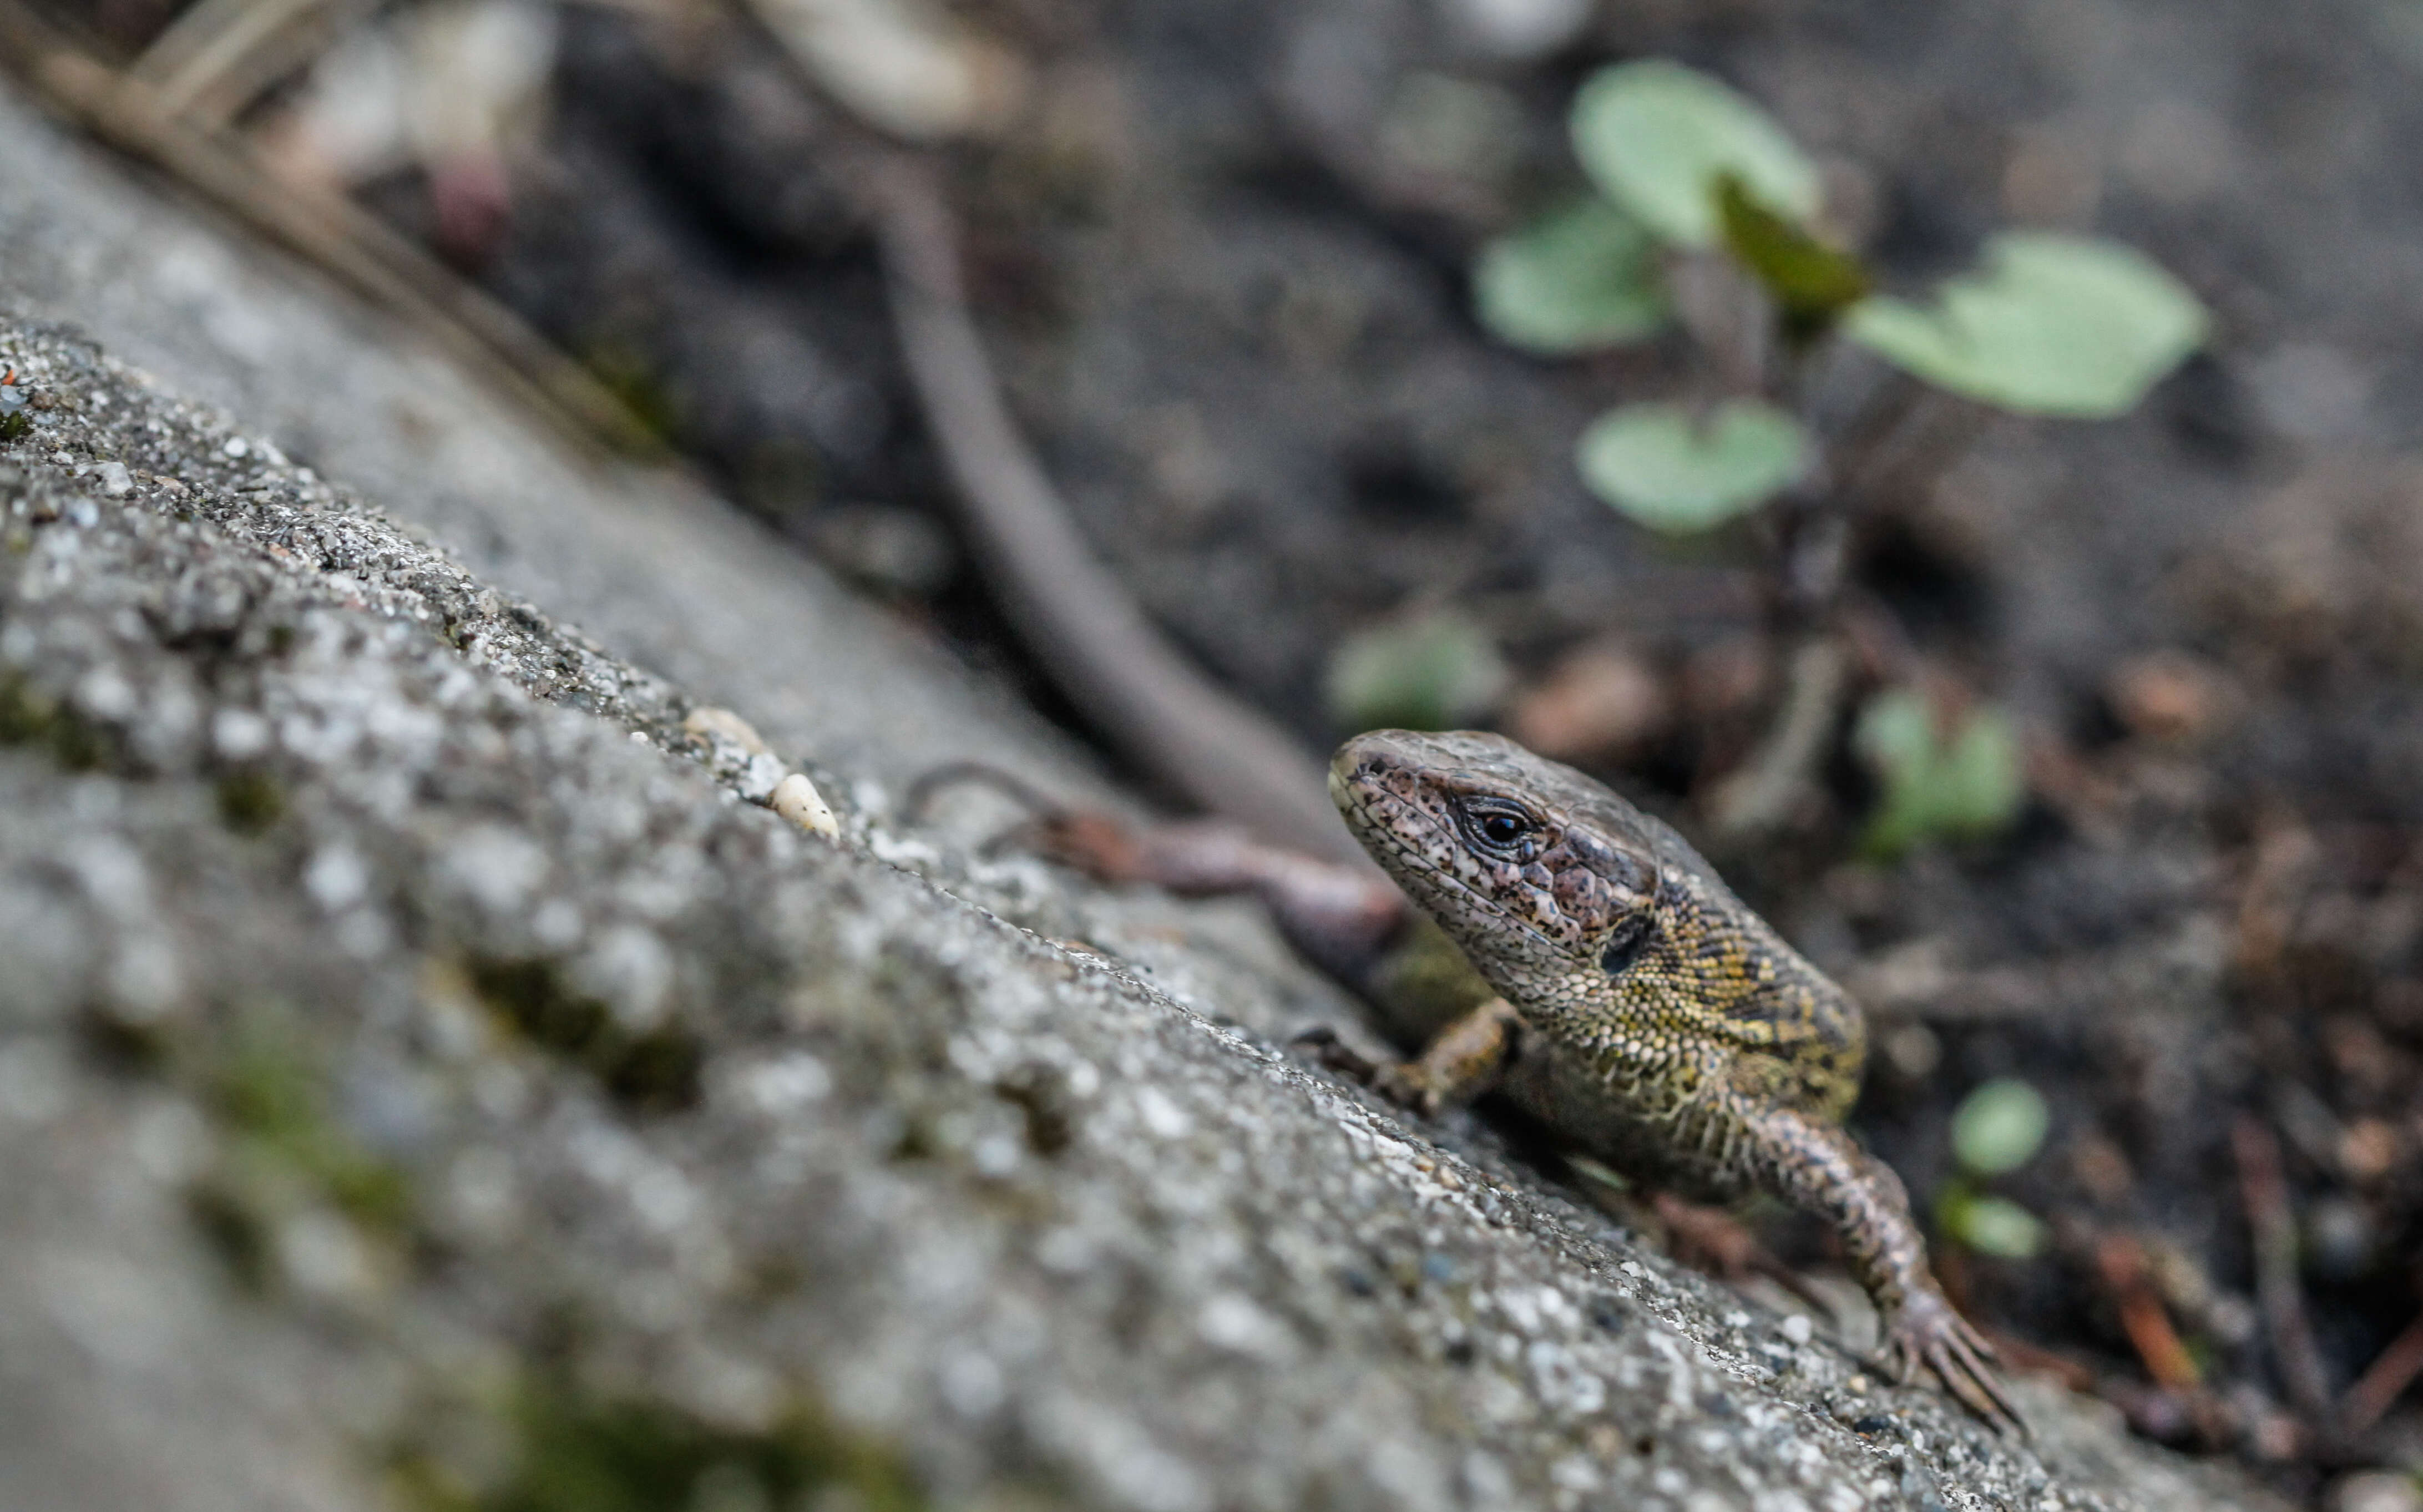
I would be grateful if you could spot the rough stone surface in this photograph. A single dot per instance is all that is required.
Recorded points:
(424, 1073)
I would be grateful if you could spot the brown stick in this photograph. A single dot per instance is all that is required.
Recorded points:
(2384, 1381)
(2121, 1261)
(1079, 619)
(1759, 796)
(2276, 1287)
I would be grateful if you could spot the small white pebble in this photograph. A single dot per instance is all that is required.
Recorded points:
(796, 799)
(235, 447)
(2375, 1491)
(238, 734)
(116, 481)
(730, 726)
(1797, 1328)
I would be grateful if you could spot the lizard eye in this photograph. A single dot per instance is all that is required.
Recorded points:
(1501, 829)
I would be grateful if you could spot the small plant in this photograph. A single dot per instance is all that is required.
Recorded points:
(1706, 216)
(1950, 772)
(1997, 1128)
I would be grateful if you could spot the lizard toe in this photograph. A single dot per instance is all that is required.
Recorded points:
(1931, 1334)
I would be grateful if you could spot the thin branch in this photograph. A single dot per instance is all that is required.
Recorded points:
(1759, 795)
(1079, 619)
(2265, 1189)
(210, 60)
(2120, 1261)
(2384, 1381)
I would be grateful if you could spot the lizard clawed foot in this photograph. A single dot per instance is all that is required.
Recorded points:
(1400, 1082)
(1929, 1334)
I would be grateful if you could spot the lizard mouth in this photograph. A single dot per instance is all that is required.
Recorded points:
(1378, 820)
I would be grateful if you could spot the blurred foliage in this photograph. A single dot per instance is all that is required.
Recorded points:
(1581, 276)
(2000, 1126)
(1988, 1224)
(1675, 471)
(1657, 137)
(1437, 672)
(1811, 283)
(1955, 777)
(2052, 325)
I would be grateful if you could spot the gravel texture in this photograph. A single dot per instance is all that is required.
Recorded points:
(426, 1073)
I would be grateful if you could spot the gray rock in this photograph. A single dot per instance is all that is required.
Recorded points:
(422, 1072)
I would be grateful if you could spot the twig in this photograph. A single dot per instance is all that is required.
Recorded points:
(2383, 1381)
(2120, 1261)
(919, 801)
(1079, 619)
(209, 61)
(1761, 794)
(2265, 1191)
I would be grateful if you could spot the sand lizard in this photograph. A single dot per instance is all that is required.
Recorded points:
(1625, 996)
(1643, 1011)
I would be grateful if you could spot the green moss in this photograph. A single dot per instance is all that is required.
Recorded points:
(575, 1452)
(15, 427)
(23, 713)
(232, 1225)
(271, 1097)
(1041, 1097)
(29, 717)
(250, 799)
(655, 1072)
(279, 1152)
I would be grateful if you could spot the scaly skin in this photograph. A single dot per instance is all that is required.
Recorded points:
(1646, 1012)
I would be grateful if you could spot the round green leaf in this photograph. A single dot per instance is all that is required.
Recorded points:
(1440, 672)
(2052, 325)
(1657, 137)
(2000, 1126)
(1998, 1226)
(1674, 470)
(1953, 784)
(1580, 278)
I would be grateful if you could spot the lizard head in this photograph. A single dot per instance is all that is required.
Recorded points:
(1534, 869)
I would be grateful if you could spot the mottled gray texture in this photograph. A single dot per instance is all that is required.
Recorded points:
(402, 1022)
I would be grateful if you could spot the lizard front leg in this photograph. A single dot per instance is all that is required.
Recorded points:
(1816, 1165)
(1463, 1061)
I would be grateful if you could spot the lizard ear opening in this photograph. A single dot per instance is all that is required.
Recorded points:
(1625, 943)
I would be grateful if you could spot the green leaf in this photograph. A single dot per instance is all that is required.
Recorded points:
(1440, 672)
(1956, 783)
(1674, 470)
(1657, 137)
(2052, 325)
(1811, 283)
(1996, 1226)
(2000, 1126)
(1579, 277)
